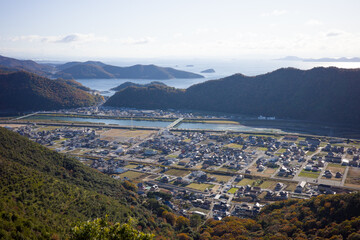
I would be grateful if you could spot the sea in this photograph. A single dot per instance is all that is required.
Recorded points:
(223, 68)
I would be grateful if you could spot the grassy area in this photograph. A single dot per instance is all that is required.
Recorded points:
(262, 148)
(291, 186)
(171, 156)
(225, 169)
(335, 165)
(177, 172)
(281, 150)
(308, 153)
(246, 181)
(234, 145)
(268, 184)
(309, 174)
(233, 190)
(200, 186)
(187, 140)
(131, 166)
(199, 210)
(131, 175)
(221, 178)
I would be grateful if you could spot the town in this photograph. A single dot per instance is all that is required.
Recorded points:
(210, 173)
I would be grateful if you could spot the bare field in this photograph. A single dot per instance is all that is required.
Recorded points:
(221, 178)
(133, 176)
(334, 168)
(124, 134)
(353, 177)
(177, 172)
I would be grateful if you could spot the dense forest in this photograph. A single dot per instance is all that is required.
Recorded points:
(322, 217)
(43, 194)
(24, 91)
(320, 94)
(131, 84)
(90, 69)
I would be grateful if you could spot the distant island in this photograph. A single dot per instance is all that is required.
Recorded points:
(320, 94)
(131, 84)
(95, 70)
(341, 59)
(210, 70)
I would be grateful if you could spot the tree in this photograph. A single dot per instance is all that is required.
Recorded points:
(104, 230)
(195, 220)
(182, 222)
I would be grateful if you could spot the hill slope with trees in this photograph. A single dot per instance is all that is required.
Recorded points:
(43, 193)
(23, 91)
(79, 70)
(320, 94)
(322, 217)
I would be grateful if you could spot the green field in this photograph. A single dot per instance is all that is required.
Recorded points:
(246, 181)
(234, 145)
(200, 186)
(281, 150)
(177, 172)
(233, 190)
(268, 184)
(262, 148)
(309, 174)
(131, 166)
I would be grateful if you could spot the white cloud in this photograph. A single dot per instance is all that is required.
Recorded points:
(333, 34)
(275, 12)
(75, 37)
(138, 41)
(314, 22)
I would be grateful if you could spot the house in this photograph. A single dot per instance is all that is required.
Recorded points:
(300, 187)
(338, 175)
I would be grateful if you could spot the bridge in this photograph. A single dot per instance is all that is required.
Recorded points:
(25, 116)
(173, 124)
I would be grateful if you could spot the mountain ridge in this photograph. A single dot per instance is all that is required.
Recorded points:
(319, 94)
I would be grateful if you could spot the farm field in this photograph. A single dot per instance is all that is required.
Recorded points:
(200, 186)
(177, 172)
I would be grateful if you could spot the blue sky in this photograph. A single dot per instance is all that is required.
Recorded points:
(94, 29)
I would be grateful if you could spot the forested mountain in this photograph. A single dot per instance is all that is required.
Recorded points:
(23, 91)
(26, 65)
(131, 84)
(94, 70)
(320, 94)
(43, 193)
(79, 70)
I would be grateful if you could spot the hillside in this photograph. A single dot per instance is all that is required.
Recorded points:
(320, 94)
(26, 65)
(79, 70)
(323, 217)
(23, 91)
(43, 193)
(153, 97)
(129, 84)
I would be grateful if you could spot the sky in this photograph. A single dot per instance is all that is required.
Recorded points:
(110, 29)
